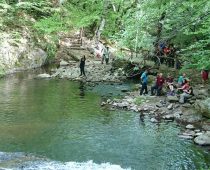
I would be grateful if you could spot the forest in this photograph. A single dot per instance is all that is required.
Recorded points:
(138, 25)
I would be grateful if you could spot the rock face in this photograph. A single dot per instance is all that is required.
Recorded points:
(203, 107)
(19, 54)
(203, 139)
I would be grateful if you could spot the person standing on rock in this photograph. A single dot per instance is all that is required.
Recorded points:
(105, 55)
(158, 85)
(144, 81)
(82, 66)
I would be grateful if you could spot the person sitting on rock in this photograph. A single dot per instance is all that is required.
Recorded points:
(187, 92)
(158, 85)
(82, 66)
(170, 84)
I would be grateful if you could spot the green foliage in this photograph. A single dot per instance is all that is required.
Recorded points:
(137, 25)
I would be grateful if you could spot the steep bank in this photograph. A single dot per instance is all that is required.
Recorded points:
(19, 53)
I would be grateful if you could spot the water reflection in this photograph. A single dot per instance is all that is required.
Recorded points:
(82, 89)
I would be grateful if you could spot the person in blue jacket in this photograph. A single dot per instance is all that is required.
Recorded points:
(144, 81)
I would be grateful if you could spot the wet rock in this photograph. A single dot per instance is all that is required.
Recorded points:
(203, 107)
(186, 136)
(45, 75)
(169, 117)
(124, 90)
(172, 98)
(170, 106)
(197, 130)
(198, 133)
(203, 139)
(189, 133)
(153, 120)
(190, 126)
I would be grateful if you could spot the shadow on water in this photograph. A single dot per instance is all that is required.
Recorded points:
(82, 88)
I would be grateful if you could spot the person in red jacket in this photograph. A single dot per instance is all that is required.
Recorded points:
(158, 84)
(205, 76)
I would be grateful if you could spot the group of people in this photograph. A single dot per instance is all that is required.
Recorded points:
(166, 53)
(105, 57)
(182, 87)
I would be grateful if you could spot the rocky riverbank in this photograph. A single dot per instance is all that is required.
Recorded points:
(95, 72)
(195, 126)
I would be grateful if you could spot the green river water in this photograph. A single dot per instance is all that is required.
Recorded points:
(59, 124)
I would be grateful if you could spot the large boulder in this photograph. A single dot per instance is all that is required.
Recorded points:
(172, 98)
(203, 139)
(190, 116)
(203, 107)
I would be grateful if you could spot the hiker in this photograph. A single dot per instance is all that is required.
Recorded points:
(205, 76)
(105, 55)
(187, 92)
(158, 85)
(144, 80)
(171, 56)
(82, 66)
(181, 80)
(170, 85)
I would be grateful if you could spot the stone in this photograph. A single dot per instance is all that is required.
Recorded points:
(203, 107)
(190, 116)
(134, 108)
(124, 90)
(63, 63)
(172, 98)
(197, 130)
(187, 105)
(170, 106)
(168, 117)
(198, 133)
(203, 139)
(189, 133)
(103, 103)
(153, 120)
(186, 136)
(45, 75)
(190, 126)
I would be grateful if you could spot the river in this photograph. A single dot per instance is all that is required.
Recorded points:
(59, 124)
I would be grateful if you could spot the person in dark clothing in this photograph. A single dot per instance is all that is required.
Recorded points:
(82, 66)
(158, 84)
